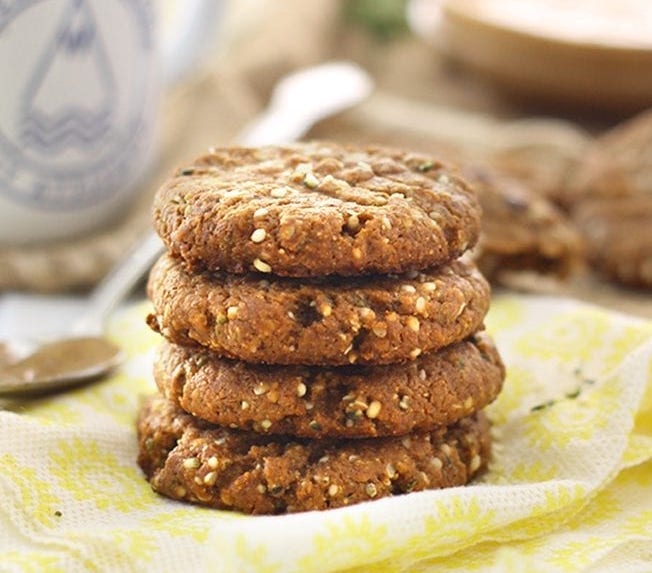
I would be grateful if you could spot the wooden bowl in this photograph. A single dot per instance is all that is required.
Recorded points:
(594, 55)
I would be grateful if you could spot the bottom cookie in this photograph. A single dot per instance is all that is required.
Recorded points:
(188, 459)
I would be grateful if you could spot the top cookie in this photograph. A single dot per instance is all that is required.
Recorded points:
(316, 209)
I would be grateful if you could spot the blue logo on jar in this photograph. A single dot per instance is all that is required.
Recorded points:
(78, 117)
(75, 120)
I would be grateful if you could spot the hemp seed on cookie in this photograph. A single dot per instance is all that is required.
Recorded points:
(361, 320)
(316, 209)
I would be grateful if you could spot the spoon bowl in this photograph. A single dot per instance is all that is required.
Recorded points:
(28, 369)
(60, 364)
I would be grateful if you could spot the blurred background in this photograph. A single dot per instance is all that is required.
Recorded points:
(540, 104)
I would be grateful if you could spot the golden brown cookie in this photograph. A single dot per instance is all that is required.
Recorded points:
(521, 231)
(316, 209)
(361, 320)
(619, 237)
(187, 459)
(436, 389)
(617, 165)
(611, 202)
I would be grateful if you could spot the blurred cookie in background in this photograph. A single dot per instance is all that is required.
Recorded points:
(616, 164)
(618, 233)
(610, 201)
(521, 230)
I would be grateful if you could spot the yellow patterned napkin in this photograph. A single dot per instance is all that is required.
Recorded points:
(569, 488)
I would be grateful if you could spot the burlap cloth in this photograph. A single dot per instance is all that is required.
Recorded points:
(421, 100)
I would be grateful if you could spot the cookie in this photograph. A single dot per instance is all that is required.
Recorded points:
(619, 238)
(617, 164)
(362, 320)
(521, 231)
(611, 202)
(436, 389)
(316, 209)
(187, 459)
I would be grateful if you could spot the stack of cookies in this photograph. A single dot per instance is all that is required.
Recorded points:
(323, 335)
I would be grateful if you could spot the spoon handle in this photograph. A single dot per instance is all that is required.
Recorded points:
(118, 284)
(304, 97)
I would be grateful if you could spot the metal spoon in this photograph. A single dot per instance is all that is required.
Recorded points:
(29, 369)
(298, 101)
